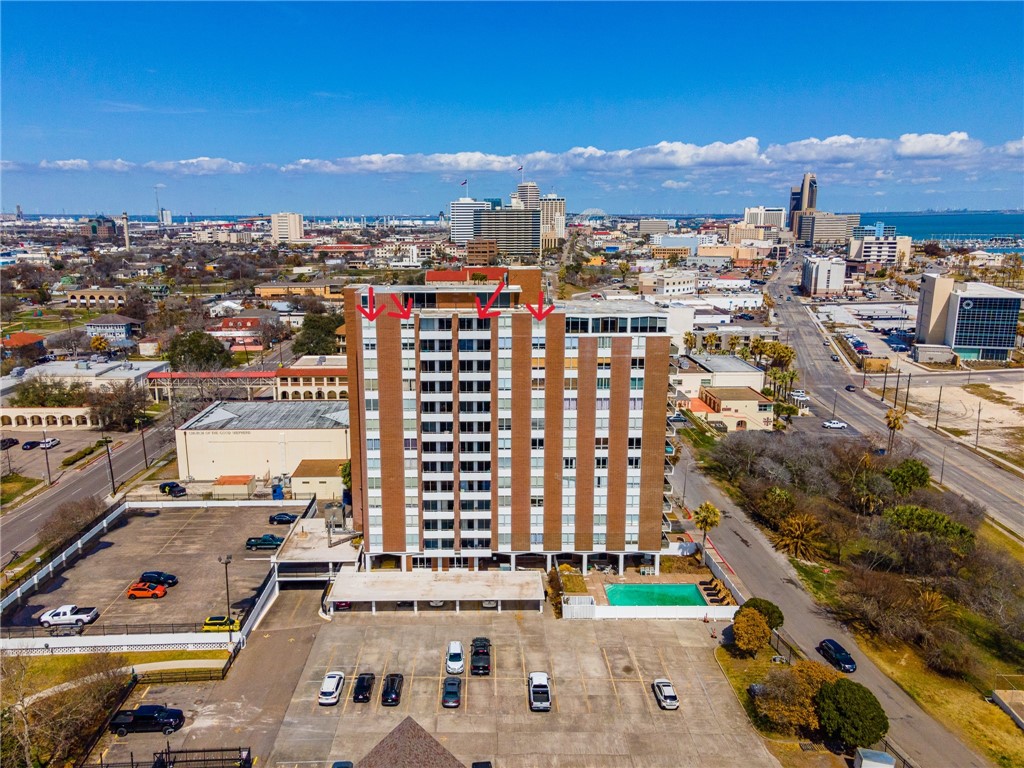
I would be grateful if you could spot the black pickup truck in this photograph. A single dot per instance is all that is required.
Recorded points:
(149, 717)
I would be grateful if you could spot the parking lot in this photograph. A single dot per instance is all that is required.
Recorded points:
(185, 541)
(604, 713)
(32, 463)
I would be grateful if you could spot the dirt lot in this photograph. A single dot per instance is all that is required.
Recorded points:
(185, 541)
(604, 713)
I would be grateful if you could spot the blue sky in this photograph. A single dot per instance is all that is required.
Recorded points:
(362, 108)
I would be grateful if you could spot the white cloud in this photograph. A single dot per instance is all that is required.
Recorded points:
(119, 165)
(64, 165)
(672, 184)
(834, 149)
(1014, 148)
(936, 145)
(7, 165)
(198, 166)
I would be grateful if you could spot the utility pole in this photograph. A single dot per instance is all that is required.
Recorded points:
(977, 430)
(226, 561)
(942, 468)
(110, 463)
(834, 400)
(46, 454)
(896, 396)
(906, 400)
(142, 430)
(885, 380)
(937, 406)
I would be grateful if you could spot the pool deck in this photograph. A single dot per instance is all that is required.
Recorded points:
(596, 581)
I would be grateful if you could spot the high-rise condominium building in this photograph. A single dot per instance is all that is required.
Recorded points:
(823, 276)
(477, 440)
(528, 194)
(515, 230)
(761, 216)
(286, 227)
(821, 227)
(552, 218)
(803, 198)
(462, 218)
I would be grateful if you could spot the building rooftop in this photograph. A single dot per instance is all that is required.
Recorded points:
(392, 586)
(276, 414)
(21, 339)
(721, 364)
(984, 290)
(234, 479)
(318, 468)
(409, 746)
(736, 393)
(113, 320)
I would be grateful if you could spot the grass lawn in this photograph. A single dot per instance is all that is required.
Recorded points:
(996, 537)
(822, 586)
(955, 703)
(167, 472)
(13, 485)
(48, 671)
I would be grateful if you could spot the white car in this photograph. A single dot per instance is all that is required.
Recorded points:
(539, 690)
(665, 693)
(835, 424)
(455, 659)
(52, 442)
(330, 689)
(799, 393)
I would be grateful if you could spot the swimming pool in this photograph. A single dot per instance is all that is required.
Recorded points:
(654, 594)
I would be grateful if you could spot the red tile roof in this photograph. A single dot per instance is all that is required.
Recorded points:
(464, 275)
(21, 339)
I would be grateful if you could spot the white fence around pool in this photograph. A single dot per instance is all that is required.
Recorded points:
(584, 607)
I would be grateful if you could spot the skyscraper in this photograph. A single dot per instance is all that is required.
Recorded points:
(515, 230)
(552, 220)
(449, 469)
(803, 198)
(761, 216)
(286, 227)
(462, 218)
(528, 194)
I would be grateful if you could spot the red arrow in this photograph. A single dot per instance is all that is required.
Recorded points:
(403, 312)
(540, 312)
(372, 313)
(485, 311)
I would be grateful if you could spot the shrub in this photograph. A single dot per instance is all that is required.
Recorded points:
(573, 583)
(788, 697)
(771, 613)
(750, 632)
(850, 713)
(79, 455)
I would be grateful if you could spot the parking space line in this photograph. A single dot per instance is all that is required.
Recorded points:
(183, 526)
(611, 677)
(583, 680)
(640, 677)
(355, 674)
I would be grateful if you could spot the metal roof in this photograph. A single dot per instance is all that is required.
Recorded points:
(277, 414)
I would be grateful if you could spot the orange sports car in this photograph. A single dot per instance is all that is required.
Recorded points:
(142, 589)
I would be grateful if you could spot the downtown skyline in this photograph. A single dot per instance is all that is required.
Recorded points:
(331, 108)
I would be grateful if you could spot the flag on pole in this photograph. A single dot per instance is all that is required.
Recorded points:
(464, 182)
(519, 168)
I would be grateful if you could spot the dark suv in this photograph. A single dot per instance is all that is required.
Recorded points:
(363, 688)
(480, 659)
(150, 717)
(391, 692)
(837, 656)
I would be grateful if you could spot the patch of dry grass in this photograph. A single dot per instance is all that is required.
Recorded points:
(573, 584)
(954, 703)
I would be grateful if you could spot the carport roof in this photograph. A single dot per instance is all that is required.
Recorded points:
(409, 746)
(392, 586)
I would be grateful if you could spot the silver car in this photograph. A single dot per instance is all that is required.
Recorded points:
(665, 693)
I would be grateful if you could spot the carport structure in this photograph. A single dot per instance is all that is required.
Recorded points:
(469, 589)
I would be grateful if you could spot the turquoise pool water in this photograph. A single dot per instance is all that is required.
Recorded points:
(654, 594)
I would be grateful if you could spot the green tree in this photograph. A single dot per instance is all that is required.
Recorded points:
(197, 351)
(706, 517)
(346, 474)
(775, 505)
(850, 713)
(99, 343)
(800, 536)
(623, 269)
(9, 307)
(894, 420)
(118, 406)
(318, 335)
(750, 632)
(49, 392)
(770, 611)
(908, 475)
(690, 340)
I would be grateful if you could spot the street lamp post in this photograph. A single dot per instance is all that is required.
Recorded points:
(835, 399)
(46, 455)
(226, 561)
(942, 468)
(110, 462)
(142, 429)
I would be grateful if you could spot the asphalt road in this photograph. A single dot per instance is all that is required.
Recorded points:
(999, 491)
(20, 527)
(769, 575)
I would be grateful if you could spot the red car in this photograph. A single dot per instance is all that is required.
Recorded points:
(142, 589)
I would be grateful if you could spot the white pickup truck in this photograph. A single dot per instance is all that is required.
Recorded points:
(69, 614)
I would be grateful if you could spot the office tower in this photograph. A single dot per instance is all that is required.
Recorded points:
(652, 226)
(450, 469)
(823, 228)
(878, 229)
(495, 202)
(823, 276)
(481, 253)
(462, 218)
(528, 194)
(978, 321)
(887, 251)
(761, 216)
(286, 227)
(552, 219)
(515, 230)
(165, 218)
(803, 198)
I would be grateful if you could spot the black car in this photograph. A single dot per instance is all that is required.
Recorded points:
(159, 577)
(8, 442)
(480, 657)
(363, 688)
(850, 388)
(837, 656)
(150, 717)
(283, 518)
(451, 696)
(28, 445)
(391, 692)
(169, 487)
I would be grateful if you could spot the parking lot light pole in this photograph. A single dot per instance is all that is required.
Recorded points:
(46, 455)
(142, 428)
(226, 560)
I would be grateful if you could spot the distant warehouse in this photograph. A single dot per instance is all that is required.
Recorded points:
(265, 439)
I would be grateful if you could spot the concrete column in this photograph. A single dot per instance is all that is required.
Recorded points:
(657, 565)
(476, 563)
(547, 559)
(622, 564)
(415, 606)
(456, 606)
(499, 606)
(512, 561)
(373, 606)
(584, 565)
(402, 560)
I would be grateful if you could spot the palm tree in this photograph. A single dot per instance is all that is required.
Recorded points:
(744, 353)
(799, 536)
(792, 377)
(757, 347)
(734, 342)
(711, 340)
(690, 340)
(773, 374)
(894, 420)
(706, 517)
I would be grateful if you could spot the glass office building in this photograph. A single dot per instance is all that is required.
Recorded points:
(982, 322)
